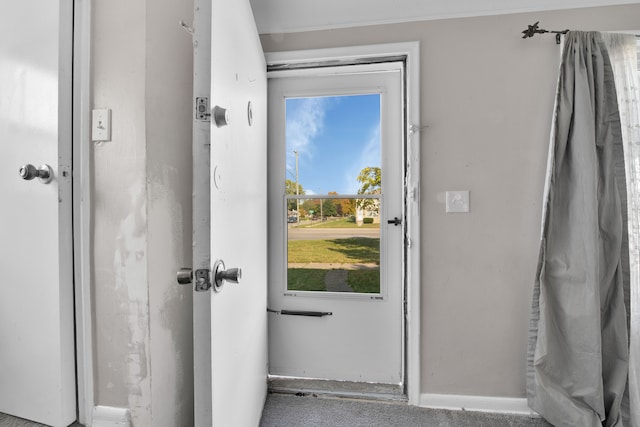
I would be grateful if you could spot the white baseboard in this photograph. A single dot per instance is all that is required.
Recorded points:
(499, 405)
(107, 416)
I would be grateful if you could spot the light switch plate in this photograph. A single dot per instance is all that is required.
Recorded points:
(101, 125)
(457, 201)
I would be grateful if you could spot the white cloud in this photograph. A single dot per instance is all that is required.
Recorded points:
(369, 156)
(305, 123)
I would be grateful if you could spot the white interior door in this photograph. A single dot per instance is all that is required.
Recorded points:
(336, 279)
(238, 151)
(37, 377)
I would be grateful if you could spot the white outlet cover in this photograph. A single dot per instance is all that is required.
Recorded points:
(457, 201)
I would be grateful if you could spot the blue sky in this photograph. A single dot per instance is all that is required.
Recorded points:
(335, 138)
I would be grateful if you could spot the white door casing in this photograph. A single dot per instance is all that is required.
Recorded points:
(362, 340)
(411, 52)
(231, 324)
(37, 373)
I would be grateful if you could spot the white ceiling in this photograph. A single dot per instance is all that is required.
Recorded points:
(283, 16)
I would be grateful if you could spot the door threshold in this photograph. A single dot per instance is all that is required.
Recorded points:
(332, 388)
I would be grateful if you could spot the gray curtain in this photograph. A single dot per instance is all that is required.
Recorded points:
(578, 346)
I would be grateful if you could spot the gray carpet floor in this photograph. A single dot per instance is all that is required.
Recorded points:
(288, 410)
(9, 421)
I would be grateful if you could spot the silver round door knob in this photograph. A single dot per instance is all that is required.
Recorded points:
(232, 275)
(221, 275)
(44, 173)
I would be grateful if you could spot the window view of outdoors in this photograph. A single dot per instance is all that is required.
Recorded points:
(333, 193)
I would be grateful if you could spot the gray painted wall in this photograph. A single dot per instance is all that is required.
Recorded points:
(487, 98)
(142, 70)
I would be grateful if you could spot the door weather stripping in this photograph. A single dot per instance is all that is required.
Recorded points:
(335, 63)
(301, 313)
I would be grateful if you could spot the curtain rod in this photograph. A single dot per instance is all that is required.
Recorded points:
(534, 29)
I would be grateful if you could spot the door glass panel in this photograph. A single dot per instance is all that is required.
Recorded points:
(333, 193)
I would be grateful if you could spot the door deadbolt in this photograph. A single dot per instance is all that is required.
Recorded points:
(202, 281)
(29, 172)
(184, 276)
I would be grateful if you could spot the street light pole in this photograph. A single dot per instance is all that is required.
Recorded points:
(297, 190)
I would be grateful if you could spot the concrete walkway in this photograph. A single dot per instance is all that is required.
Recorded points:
(336, 281)
(333, 266)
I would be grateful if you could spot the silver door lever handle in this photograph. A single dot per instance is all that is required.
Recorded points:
(44, 173)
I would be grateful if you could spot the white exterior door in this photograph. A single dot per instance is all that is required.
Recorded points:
(37, 374)
(336, 242)
(231, 354)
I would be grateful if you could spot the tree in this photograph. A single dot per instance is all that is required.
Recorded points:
(347, 207)
(290, 189)
(336, 203)
(329, 208)
(311, 205)
(370, 179)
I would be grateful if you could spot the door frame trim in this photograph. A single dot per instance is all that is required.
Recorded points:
(201, 249)
(81, 155)
(410, 50)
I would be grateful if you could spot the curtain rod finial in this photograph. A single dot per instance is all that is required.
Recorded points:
(532, 30)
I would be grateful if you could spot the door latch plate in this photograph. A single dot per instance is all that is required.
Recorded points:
(202, 109)
(203, 280)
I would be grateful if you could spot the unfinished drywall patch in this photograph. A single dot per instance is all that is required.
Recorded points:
(168, 121)
(118, 208)
(170, 304)
(130, 265)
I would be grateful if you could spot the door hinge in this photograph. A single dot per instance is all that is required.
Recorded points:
(202, 109)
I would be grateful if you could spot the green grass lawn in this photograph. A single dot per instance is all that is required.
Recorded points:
(306, 279)
(339, 223)
(309, 279)
(349, 251)
(364, 281)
